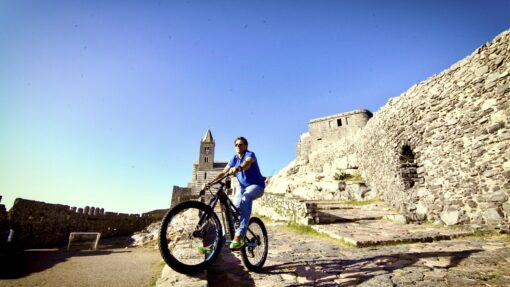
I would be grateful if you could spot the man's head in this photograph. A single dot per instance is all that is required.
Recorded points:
(241, 144)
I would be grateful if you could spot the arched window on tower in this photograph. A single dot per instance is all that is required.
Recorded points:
(205, 175)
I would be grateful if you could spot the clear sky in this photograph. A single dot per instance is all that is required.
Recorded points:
(104, 103)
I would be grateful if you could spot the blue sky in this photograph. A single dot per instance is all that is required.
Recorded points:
(104, 103)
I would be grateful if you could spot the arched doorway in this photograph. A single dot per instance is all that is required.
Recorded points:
(408, 167)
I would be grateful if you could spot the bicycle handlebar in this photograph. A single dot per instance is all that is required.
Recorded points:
(215, 182)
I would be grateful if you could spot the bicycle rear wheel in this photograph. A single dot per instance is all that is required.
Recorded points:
(190, 238)
(254, 254)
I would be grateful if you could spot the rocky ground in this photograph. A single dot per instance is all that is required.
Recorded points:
(303, 260)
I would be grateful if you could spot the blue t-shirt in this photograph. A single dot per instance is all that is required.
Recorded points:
(250, 176)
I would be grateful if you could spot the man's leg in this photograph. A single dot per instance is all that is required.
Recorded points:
(251, 193)
(238, 198)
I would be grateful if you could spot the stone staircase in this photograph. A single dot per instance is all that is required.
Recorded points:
(327, 212)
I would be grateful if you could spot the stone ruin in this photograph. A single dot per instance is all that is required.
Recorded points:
(439, 152)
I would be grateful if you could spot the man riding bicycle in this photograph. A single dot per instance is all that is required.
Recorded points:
(244, 165)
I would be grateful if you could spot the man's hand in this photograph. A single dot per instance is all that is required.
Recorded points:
(233, 170)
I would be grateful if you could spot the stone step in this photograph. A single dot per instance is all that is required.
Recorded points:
(328, 205)
(325, 218)
(348, 213)
(381, 232)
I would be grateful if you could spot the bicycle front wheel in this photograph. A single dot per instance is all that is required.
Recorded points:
(190, 238)
(254, 254)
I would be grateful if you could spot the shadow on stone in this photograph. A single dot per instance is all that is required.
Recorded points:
(323, 217)
(345, 272)
(228, 270)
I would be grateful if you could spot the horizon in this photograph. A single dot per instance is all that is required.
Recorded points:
(105, 104)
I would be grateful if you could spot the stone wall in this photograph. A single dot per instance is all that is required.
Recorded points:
(442, 149)
(38, 223)
(280, 207)
(180, 194)
(4, 224)
(439, 152)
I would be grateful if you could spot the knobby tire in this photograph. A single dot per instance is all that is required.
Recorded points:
(179, 238)
(255, 257)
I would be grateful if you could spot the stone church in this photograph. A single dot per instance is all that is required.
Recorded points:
(204, 170)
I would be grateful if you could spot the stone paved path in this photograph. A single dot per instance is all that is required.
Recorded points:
(111, 265)
(300, 260)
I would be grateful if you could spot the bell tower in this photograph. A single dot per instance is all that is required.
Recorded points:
(206, 160)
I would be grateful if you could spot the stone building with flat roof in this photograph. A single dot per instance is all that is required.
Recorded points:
(330, 129)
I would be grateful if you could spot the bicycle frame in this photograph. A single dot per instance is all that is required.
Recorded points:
(232, 213)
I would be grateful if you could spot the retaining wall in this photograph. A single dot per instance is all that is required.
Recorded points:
(441, 150)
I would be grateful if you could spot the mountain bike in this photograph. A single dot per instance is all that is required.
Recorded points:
(191, 235)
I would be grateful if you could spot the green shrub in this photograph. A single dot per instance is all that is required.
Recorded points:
(340, 175)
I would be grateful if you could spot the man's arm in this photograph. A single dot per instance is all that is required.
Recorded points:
(246, 164)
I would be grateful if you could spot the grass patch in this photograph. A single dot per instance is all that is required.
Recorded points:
(309, 231)
(487, 235)
(264, 219)
(340, 175)
(158, 268)
(361, 202)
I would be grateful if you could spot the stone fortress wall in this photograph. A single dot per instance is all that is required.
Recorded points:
(438, 152)
(38, 223)
(441, 150)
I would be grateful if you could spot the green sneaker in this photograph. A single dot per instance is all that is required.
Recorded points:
(205, 250)
(236, 245)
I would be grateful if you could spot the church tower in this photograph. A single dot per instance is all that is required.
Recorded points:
(206, 160)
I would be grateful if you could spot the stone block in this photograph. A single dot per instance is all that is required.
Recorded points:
(492, 216)
(499, 196)
(495, 127)
(481, 71)
(491, 173)
(471, 204)
(506, 208)
(397, 218)
(421, 209)
(502, 89)
(450, 216)
(506, 166)
(357, 191)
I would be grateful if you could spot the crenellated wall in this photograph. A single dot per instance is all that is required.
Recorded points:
(38, 223)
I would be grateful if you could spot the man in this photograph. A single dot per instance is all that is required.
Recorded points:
(244, 165)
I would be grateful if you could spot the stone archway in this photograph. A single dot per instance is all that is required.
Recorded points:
(408, 167)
